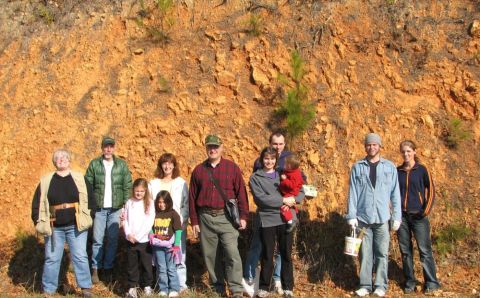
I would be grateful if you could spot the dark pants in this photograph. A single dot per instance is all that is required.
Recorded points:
(139, 258)
(269, 236)
(420, 229)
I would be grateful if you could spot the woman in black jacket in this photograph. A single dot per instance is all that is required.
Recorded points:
(418, 193)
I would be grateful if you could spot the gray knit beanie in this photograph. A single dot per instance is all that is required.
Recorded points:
(373, 138)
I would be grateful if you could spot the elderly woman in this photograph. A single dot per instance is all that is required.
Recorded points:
(61, 213)
(168, 178)
(264, 186)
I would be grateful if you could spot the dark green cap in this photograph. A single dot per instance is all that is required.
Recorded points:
(108, 141)
(213, 140)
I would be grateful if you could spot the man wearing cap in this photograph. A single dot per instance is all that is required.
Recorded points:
(218, 237)
(112, 183)
(374, 195)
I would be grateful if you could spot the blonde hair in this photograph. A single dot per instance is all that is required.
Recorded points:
(293, 161)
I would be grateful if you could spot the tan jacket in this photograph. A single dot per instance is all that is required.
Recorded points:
(82, 213)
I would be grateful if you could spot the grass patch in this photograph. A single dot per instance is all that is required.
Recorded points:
(449, 236)
(456, 133)
(45, 14)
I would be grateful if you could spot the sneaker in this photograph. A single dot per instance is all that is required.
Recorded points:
(291, 227)
(147, 291)
(379, 293)
(278, 287)
(95, 278)
(362, 292)
(288, 294)
(431, 291)
(173, 294)
(262, 293)
(162, 294)
(132, 293)
(247, 288)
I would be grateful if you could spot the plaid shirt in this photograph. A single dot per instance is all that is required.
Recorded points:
(204, 194)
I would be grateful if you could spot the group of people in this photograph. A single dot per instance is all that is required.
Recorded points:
(383, 197)
(154, 215)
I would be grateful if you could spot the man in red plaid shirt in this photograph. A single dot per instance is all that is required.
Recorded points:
(218, 236)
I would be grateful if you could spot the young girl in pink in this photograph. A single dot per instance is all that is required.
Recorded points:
(138, 221)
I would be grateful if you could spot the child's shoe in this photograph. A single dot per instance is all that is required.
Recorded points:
(132, 293)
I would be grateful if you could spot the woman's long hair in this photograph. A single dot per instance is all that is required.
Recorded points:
(167, 199)
(167, 157)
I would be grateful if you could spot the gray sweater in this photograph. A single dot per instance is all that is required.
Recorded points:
(268, 198)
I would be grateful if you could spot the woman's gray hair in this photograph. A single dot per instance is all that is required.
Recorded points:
(59, 153)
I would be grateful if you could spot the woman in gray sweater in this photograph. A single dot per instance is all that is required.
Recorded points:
(264, 186)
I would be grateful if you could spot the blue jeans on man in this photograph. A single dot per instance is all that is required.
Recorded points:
(420, 228)
(107, 221)
(77, 243)
(253, 256)
(374, 250)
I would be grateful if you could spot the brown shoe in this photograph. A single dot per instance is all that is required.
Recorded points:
(95, 279)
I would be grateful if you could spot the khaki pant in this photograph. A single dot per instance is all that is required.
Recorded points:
(219, 242)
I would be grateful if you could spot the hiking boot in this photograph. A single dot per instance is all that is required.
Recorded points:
(87, 293)
(95, 278)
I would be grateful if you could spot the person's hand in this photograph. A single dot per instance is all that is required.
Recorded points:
(353, 223)
(289, 201)
(283, 176)
(396, 225)
(176, 254)
(131, 238)
(243, 224)
(196, 231)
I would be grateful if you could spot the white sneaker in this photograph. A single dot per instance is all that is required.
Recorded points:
(278, 287)
(262, 293)
(379, 293)
(362, 292)
(247, 289)
(147, 291)
(162, 294)
(288, 294)
(173, 294)
(132, 293)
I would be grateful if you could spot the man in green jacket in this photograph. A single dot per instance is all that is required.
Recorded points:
(112, 183)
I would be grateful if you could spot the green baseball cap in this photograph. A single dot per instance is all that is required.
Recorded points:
(108, 141)
(213, 140)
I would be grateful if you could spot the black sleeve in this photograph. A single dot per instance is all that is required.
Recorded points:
(92, 204)
(36, 205)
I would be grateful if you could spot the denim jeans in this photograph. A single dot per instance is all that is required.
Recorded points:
(253, 256)
(374, 250)
(420, 228)
(167, 278)
(107, 221)
(182, 268)
(77, 243)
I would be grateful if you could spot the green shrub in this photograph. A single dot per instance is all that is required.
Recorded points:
(156, 20)
(255, 24)
(296, 111)
(45, 14)
(448, 236)
(456, 133)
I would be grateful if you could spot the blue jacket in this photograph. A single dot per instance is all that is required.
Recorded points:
(372, 205)
(417, 189)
